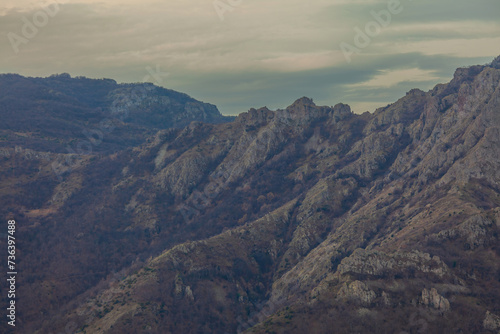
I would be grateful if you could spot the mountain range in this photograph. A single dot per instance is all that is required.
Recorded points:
(143, 210)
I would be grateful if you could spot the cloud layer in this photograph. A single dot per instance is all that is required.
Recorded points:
(241, 54)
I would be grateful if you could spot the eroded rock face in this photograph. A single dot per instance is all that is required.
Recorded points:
(491, 322)
(431, 298)
(381, 264)
(474, 231)
(357, 291)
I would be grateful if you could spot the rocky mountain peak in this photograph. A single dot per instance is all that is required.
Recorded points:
(303, 101)
(256, 117)
(301, 106)
(496, 63)
(341, 111)
(465, 74)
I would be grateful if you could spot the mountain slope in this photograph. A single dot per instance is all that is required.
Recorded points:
(309, 219)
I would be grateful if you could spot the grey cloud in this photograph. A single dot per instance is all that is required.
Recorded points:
(326, 86)
(222, 62)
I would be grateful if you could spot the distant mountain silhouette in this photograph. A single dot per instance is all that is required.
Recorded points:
(50, 113)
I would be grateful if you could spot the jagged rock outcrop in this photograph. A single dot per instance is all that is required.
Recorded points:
(474, 231)
(491, 322)
(381, 264)
(357, 291)
(431, 298)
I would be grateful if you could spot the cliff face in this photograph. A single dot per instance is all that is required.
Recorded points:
(303, 220)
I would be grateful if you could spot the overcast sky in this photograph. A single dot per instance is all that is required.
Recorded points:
(239, 54)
